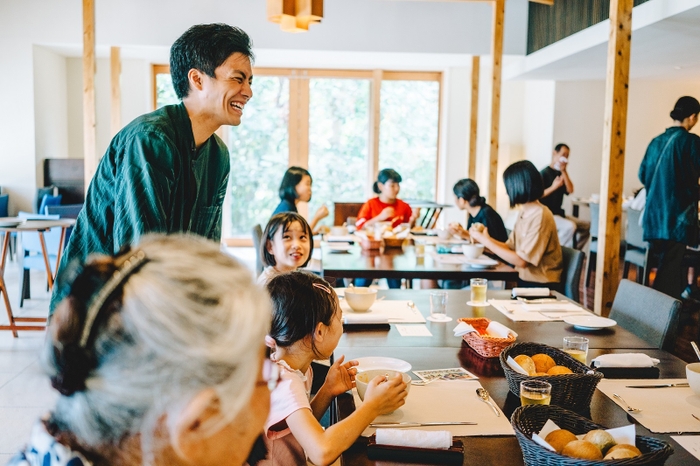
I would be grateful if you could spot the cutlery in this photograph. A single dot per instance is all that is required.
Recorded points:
(400, 425)
(484, 395)
(695, 348)
(698, 418)
(660, 385)
(629, 408)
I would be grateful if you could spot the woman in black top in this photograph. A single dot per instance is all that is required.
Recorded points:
(295, 188)
(468, 198)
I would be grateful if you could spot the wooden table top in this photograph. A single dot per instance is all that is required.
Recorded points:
(403, 263)
(444, 350)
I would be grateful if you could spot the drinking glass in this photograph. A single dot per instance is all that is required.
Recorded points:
(478, 287)
(438, 306)
(419, 247)
(577, 347)
(535, 392)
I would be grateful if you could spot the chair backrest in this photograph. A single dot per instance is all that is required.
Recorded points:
(40, 193)
(65, 210)
(649, 314)
(634, 233)
(595, 214)
(48, 200)
(572, 263)
(343, 210)
(257, 240)
(30, 239)
(4, 201)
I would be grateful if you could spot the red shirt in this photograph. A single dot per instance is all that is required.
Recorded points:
(374, 207)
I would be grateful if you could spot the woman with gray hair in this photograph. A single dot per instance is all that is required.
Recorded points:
(158, 353)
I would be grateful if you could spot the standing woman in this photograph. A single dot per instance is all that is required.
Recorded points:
(295, 188)
(467, 197)
(386, 206)
(669, 172)
(533, 246)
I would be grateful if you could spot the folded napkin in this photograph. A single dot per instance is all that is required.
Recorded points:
(515, 366)
(440, 439)
(497, 329)
(530, 292)
(364, 318)
(625, 360)
(463, 328)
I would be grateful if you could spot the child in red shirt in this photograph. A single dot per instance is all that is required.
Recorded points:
(386, 206)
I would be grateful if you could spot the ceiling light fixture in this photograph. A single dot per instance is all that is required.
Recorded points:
(295, 15)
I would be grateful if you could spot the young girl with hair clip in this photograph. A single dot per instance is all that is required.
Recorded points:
(386, 206)
(286, 245)
(295, 188)
(533, 246)
(468, 197)
(306, 325)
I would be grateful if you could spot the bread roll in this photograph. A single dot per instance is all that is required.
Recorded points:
(526, 363)
(583, 450)
(559, 370)
(601, 439)
(621, 451)
(559, 438)
(543, 362)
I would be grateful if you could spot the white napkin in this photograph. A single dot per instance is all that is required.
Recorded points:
(515, 366)
(530, 292)
(440, 439)
(497, 329)
(625, 360)
(463, 328)
(364, 318)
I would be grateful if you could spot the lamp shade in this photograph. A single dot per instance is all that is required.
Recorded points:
(295, 15)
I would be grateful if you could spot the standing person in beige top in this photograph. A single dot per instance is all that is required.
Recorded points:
(533, 246)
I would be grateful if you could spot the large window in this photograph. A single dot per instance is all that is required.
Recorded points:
(343, 126)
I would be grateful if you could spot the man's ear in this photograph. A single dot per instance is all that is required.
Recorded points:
(196, 79)
(186, 429)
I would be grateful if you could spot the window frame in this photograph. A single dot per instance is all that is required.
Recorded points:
(298, 129)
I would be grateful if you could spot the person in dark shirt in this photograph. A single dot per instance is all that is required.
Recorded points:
(556, 184)
(669, 171)
(467, 197)
(295, 188)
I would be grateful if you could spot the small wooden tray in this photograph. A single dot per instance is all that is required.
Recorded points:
(453, 455)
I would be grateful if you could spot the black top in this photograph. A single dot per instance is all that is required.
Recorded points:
(285, 206)
(491, 220)
(554, 200)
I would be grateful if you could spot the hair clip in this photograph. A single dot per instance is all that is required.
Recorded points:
(321, 287)
(118, 278)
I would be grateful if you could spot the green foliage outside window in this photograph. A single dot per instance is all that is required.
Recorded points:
(165, 93)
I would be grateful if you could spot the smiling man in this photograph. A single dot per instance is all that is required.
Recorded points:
(167, 171)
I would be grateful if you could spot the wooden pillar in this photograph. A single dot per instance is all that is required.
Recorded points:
(115, 67)
(474, 119)
(612, 169)
(299, 127)
(375, 115)
(89, 67)
(499, 7)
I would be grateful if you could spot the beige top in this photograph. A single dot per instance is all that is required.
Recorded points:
(267, 274)
(534, 239)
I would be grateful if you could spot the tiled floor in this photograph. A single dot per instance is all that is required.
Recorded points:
(25, 392)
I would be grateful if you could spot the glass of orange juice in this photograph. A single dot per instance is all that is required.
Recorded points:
(577, 348)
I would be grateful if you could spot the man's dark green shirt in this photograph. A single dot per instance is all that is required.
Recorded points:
(152, 179)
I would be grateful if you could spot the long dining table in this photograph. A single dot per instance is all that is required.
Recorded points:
(444, 350)
(403, 263)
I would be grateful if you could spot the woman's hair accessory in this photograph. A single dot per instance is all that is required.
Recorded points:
(321, 287)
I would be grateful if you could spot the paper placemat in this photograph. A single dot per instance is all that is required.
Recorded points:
(663, 410)
(690, 443)
(447, 401)
(395, 311)
(413, 330)
(458, 259)
(519, 311)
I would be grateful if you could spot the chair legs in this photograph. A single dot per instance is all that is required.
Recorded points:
(24, 287)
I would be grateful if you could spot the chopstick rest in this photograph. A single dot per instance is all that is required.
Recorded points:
(440, 440)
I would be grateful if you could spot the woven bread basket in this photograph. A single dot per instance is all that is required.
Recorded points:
(527, 420)
(569, 391)
(487, 346)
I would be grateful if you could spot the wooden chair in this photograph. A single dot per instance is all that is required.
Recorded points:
(572, 262)
(649, 314)
(637, 250)
(345, 210)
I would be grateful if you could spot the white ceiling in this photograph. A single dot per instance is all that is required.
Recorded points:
(665, 48)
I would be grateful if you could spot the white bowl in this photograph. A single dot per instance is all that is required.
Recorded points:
(692, 372)
(339, 231)
(360, 298)
(444, 234)
(363, 378)
(473, 251)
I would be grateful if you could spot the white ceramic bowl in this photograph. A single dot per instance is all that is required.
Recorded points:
(692, 372)
(444, 234)
(363, 378)
(473, 251)
(339, 231)
(360, 298)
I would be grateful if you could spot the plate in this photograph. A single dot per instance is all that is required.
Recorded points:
(10, 222)
(379, 362)
(590, 322)
(339, 247)
(482, 262)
